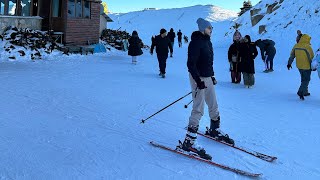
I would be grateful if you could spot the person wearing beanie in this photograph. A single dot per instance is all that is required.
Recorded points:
(162, 44)
(237, 36)
(135, 45)
(202, 80)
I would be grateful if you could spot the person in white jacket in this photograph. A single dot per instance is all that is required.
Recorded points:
(316, 62)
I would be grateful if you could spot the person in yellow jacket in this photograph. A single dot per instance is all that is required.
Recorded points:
(303, 53)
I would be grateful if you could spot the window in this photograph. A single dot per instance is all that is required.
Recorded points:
(25, 7)
(1, 7)
(71, 8)
(16, 7)
(12, 7)
(79, 8)
(86, 9)
(56, 8)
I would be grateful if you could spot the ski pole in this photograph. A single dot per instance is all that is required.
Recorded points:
(186, 106)
(144, 120)
(196, 90)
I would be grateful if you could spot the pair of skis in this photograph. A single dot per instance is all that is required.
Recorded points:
(264, 157)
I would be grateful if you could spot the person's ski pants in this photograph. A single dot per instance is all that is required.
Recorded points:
(305, 79)
(162, 63)
(269, 60)
(201, 96)
(172, 44)
(248, 79)
(134, 59)
(180, 42)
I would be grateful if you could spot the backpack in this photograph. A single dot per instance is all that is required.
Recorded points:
(315, 64)
(269, 42)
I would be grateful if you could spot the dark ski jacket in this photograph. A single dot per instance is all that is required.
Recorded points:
(248, 52)
(162, 46)
(179, 36)
(200, 56)
(266, 47)
(234, 51)
(135, 45)
(171, 36)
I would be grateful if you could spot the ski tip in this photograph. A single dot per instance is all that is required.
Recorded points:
(259, 175)
(142, 121)
(152, 142)
(273, 159)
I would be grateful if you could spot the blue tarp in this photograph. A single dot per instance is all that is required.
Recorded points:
(99, 48)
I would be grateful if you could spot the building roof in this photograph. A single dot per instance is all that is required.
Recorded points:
(104, 14)
(107, 17)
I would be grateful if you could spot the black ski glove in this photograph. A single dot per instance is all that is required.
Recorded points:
(214, 80)
(201, 85)
(289, 66)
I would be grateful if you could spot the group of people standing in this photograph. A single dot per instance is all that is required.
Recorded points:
(242, 53)
(241, 56)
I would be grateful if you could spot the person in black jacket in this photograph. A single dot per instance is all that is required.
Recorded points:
(201, 75)
(268, 52)
(162, 44)
(248, 52)
(234, 60)
(172, 36)
(135, 45)
(180, 38)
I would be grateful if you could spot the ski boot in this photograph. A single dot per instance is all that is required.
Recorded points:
(189, 145)
(216, 133)
(266, 71)
(300, 95)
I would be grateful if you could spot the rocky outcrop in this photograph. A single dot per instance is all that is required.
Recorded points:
(254, 12)
(256, 19)
(262, 29)
(271, 8)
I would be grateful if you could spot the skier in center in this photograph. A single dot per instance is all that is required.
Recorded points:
(202, 80)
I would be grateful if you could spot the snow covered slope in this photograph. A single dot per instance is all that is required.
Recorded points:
(149, 23)
(283, 23)
(78, 117)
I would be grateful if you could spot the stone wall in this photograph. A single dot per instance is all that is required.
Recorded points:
(34, 22)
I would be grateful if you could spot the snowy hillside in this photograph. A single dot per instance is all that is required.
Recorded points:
(149, 23)
(282, 21)
(78, 117)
